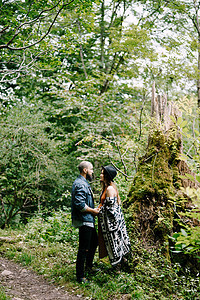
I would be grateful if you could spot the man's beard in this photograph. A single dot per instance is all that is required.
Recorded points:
(89, 177)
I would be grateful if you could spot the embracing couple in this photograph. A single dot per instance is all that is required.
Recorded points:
(112, 236)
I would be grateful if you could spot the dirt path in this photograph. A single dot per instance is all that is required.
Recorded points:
(23, 284)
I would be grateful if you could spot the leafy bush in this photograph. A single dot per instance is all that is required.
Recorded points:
(54, 228)
(31, 164)
(187, 241)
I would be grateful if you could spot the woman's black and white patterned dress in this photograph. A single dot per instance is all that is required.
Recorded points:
(114, 230)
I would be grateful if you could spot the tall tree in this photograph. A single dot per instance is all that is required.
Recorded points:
(95, 56)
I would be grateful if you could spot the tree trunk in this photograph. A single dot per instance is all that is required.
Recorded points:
(198, 80)
(102, 36)
(151, 200)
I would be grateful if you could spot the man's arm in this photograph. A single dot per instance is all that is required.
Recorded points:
(93, 211)
(79, 201)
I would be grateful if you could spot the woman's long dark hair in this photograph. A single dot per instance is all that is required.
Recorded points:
(107, 181)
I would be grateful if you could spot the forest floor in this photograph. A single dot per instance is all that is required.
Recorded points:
(20, 283)
(38, 262)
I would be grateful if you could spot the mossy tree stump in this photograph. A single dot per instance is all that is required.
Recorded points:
(150, 200)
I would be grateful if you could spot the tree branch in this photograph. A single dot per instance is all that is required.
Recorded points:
(113, 69)
(43, 37)
(102, 35)
(126, 176)
(4, 29)
(3, 208)
(22, 68)
(81, 51)
(114, 13)
(119, 151)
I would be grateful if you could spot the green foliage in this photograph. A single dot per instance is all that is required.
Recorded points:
(151, 277)
(31, 167)
(83, 93)
(26, 259)
(187, 241)
(91, 114)
(53, 228)
(148, 202)
(173, 25)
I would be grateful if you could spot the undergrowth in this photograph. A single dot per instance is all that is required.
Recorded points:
(49, 245)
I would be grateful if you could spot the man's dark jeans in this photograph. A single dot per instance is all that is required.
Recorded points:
(88, 242)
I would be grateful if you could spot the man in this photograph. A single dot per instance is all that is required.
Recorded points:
(83, 213)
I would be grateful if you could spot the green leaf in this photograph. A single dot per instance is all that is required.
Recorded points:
(173, 119)
(183, 124)
(182, 157)
(185, 130)
(184, 232)
(179, 121)
(198, 178)
(176, 235)
(182, 177)
(189, 176)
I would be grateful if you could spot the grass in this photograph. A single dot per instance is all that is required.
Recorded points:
(150, 276)
(3, 295)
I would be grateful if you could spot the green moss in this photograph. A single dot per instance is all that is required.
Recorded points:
(153, 186)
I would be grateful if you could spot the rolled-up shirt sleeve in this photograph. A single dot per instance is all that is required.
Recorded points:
(85, 208)
(79, 198)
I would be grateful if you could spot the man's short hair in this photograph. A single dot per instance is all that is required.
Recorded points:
(83, 165)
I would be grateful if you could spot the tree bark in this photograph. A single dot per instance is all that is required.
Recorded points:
(102, 38)
(198, 79)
